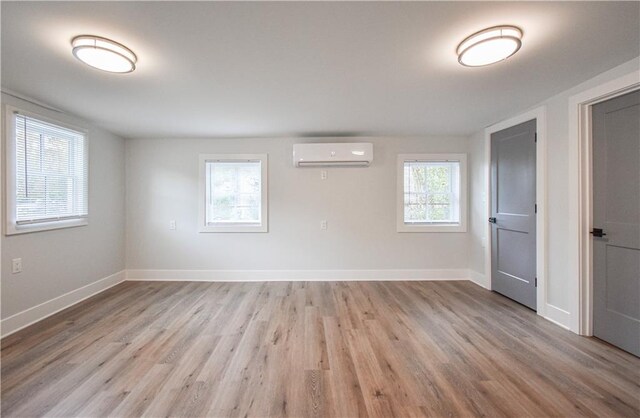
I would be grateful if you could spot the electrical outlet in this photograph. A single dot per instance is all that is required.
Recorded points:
(323, 225)
(16, 265)
(172, 225)
(323, 174)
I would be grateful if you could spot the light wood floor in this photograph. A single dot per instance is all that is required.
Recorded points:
(338, 349)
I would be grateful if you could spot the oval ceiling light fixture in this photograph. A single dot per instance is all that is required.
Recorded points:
(489, 46)
(103, 54)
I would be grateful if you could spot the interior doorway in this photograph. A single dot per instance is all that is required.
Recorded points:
(615, 125)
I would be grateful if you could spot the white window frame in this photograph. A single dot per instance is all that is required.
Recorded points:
(202, 193)
(11, 225)
(462, 193)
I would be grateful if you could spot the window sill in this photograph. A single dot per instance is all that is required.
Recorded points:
(431, 228)
(233, 228)
(14, 229)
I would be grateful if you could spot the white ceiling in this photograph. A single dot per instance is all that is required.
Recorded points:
(267, 69)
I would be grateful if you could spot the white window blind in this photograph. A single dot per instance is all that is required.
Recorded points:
(234, 192)
(51, 172)
(431, 192)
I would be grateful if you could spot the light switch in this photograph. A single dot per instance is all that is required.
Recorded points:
(172, 225)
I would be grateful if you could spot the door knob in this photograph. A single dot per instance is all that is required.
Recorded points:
(598, 232)
(493, 220)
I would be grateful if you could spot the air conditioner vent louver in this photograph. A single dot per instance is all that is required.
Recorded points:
(358, 154)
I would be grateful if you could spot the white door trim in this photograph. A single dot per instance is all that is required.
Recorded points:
(540, 115)
(580, 186)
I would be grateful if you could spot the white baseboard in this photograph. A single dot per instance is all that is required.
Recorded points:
(39, 312)
(480, 279)
(558, 316)
(295, 275)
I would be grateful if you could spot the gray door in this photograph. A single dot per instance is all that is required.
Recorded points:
(513, 213)
(616, 211)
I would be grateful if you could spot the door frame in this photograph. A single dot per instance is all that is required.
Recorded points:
(540, 115)
(581, 189)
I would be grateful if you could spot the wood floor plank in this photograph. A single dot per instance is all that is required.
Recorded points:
(310, 349)
(346, 391)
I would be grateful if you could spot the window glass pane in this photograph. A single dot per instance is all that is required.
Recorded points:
(431, 193)
(415, 207)
(51, 172)
(439, 207)
(234, 192)
(418, 178)
(439, 177)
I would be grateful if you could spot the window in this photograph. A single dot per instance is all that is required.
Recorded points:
(432, 193)
(233, 193)
(47, 174)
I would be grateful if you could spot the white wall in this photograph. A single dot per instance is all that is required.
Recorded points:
(562, 297)
(358, 203)
(477, 209)
(64, 260)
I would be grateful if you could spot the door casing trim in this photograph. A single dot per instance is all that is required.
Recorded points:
(540, 115)
(581, 189)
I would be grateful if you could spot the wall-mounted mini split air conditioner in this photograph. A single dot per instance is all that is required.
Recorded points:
(333, 155)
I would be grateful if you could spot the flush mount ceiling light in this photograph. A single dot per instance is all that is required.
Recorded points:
(489, 46)
(103, 54)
